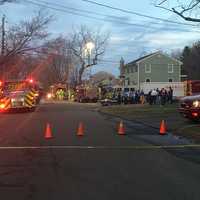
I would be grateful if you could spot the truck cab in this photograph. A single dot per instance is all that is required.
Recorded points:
(18, 95)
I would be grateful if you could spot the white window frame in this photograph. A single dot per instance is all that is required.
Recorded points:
(147, 71)
(171, 79)
(131, 69)
(146, 80)
(172, 68)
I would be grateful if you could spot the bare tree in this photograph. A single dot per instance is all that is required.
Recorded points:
(188, 10)
(100, 77)
(60, 61)
(88, 56)
(25, 37)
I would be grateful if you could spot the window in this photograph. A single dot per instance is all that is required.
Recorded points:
(127, 81)
(170, 68)
(131, 69)
(134, 69)
(170, 80)
(127, 70)
(147, 68)
(148, 80)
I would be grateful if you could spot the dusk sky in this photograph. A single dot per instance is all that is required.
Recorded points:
(127, 39)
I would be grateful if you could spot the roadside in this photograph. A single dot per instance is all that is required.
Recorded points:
(152, 116)
(148, 115)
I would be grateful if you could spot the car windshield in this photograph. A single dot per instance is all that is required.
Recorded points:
(99, 100)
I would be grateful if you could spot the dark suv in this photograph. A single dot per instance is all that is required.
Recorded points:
(190, 107)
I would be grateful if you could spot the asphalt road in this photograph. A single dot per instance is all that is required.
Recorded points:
(100, 165)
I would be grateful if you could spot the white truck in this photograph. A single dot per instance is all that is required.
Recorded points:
(178, 87)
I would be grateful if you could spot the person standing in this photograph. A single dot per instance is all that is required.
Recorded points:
(150, 97)
(119, 98)
(142, 98)
(158, 96)
(163, 97)
(154, 96)
(170, 95)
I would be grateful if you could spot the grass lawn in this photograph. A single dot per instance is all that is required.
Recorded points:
(153, 115)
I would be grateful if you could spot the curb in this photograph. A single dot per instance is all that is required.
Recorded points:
(132, 120)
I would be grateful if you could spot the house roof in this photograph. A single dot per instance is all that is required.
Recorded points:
(147, 56)
(141, 58)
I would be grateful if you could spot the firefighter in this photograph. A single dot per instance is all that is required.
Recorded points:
(60, 94)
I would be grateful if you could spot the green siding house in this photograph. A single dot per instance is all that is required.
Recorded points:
(155, 67)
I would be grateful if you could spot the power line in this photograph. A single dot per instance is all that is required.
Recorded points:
(93, 17)
(84, 11)
(109, 61)
(88, 16)
(136, 13)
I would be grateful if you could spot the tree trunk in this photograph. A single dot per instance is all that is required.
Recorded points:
(81, 70)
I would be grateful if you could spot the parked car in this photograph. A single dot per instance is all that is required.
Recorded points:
(108, 102)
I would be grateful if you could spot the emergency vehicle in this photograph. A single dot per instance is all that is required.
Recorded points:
(53, 92)
(190, 105)
(192, 87)
(87, 94)
(20, 94)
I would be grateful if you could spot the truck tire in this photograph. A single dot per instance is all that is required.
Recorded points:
(32, 109)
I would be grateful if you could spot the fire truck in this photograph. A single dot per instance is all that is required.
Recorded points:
(19, 95)
(192, 87)
(190, 104)
(87, 94)
(54, 90)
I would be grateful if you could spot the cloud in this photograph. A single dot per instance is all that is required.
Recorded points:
(116, 39)
(170, 39)
(116, 20)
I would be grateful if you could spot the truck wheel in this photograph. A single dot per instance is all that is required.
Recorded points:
(32, 109)
(195, 120)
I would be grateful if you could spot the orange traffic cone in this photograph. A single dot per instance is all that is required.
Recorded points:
(121, 129)
(162, 128)
(80, 130)
(48, 133)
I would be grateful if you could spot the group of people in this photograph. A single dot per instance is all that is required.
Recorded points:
(131, 97)
(60, 94)
(153, 97)
(161, 97)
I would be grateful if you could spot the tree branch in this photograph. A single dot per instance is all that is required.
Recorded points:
(184, 17)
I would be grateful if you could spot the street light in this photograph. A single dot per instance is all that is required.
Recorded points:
(89, 46)
(88, 51)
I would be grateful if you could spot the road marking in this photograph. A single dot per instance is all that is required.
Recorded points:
(134, 147)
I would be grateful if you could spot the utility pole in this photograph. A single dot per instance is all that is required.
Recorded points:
(3, 43)
(3, 36)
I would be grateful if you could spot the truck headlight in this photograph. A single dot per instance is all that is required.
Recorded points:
(49, 96)
(196, 104)
(2, 105)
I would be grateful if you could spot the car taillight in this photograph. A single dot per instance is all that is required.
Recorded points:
(194, 114)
